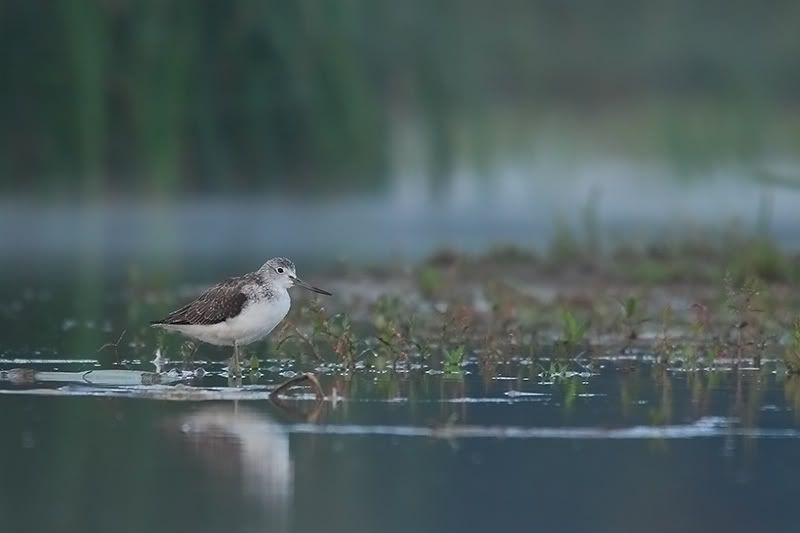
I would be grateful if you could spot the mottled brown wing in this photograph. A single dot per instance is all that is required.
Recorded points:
(216, 305)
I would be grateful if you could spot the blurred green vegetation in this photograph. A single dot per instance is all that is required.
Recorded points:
(188, 95)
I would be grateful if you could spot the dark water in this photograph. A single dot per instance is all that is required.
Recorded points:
(621, 446)
(639, 451)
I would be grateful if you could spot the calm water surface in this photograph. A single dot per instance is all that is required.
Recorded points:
(626, 446)
(639, 451)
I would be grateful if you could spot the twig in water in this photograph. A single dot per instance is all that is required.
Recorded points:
(291, 382)
(114, 345)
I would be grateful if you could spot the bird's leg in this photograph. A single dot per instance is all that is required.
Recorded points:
(234, 369)
(188, 348)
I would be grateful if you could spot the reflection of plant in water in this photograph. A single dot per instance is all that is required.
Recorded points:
(747, 402)
(699, 391)
(571, 388)
(630, 389)
(662, 414)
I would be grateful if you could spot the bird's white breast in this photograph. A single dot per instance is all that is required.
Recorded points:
(259, 318)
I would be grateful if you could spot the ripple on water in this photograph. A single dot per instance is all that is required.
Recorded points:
(706, 427)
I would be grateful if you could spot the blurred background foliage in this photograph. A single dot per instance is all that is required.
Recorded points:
(169, 96)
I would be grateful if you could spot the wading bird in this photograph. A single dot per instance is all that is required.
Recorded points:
(239, 310)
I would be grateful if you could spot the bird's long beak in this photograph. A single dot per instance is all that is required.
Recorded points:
(301, 283)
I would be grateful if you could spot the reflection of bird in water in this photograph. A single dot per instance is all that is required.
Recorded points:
(239, 310)
(245, 448)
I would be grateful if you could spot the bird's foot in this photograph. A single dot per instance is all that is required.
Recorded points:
(234, 372)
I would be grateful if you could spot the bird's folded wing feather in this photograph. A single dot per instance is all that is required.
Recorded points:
(217, 304)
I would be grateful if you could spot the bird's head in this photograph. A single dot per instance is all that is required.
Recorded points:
(281, 272)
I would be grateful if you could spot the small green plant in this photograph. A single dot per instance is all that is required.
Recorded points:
(791, 356)
(429, 281)
(697, 346)
(328, 334)
(701, 319)
(564, 246)
(663, 346)
(741, 302)
(453, 357)
(573, 332)
(556, 371)
(631, 317)
(392, 344)
(760, 258)
(339, 331)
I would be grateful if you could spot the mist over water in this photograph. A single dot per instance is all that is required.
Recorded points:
(619, 201)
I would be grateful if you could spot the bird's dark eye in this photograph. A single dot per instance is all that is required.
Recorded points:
(280, 270)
